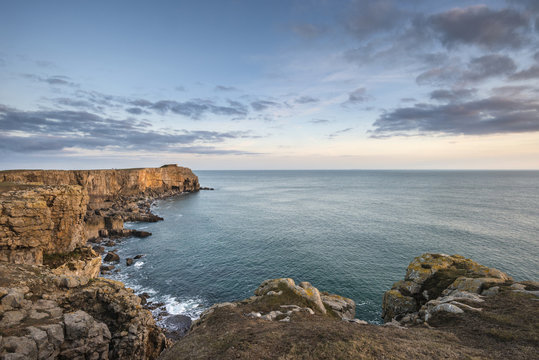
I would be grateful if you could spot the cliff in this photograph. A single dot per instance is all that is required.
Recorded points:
(453, 308)
(63, 310)
(40, 219)
(103, 186)
(55, 211)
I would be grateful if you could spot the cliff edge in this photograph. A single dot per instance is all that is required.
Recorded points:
(104, 186)
(56, 211)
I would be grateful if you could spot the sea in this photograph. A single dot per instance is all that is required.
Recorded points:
(351, 233)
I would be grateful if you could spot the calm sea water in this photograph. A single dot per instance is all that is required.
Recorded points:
(348, 232)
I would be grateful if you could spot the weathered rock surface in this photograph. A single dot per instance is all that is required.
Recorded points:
(436, 282)
(41, 220)
(114, 196)
(438, 317)
(279, 299)
(101, 319)
(107, 185)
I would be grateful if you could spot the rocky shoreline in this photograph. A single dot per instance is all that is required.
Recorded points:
(55, 225)
(447, 307)
(53, 304)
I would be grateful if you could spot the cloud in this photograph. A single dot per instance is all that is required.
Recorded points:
(225, 88)
(51, 80)
(479, 25)
(440, 75)
(45, 64)
(333, 135)
(489, 66)
(373, 16)
(194, 109)
(179, 88)
(29, 131)
(357, 96)
(261, 105)
(309, 31)
(511, 91)
(319, 121)
(530, 73)
(477, 69)
(493, 115)
(306, 100)
(135, 111)
(532, 5)
(77, 103)
(452, 95)
(408, 99)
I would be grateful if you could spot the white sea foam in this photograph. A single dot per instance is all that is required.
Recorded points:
(139, 264)
(191, 307)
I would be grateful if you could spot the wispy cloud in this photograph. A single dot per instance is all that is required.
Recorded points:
(51, 80)
(306, 100)
(30, 131)
(333, 135)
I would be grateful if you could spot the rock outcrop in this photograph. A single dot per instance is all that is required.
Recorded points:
(104, 186)
(463, 310)
(439, 282)
(55, 211)
(283, 301)
(39, 220)
(42, 316)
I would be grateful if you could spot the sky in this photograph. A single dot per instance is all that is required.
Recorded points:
(281, 84)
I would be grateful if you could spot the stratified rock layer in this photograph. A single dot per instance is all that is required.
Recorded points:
(105, 185)
(41, 219)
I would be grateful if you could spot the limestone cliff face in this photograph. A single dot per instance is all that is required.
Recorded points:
(41, 219)
(105, 185)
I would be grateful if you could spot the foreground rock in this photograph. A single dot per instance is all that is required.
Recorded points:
(439, 282)
(42, 317)
(471, 318)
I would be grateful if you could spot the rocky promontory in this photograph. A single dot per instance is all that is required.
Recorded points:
(55, 211)
(447, 307)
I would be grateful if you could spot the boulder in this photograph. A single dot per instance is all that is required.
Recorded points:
(430, 276)
(342, 307)
(112, 257)
(305, 293)
(396, 305)
(177, 325)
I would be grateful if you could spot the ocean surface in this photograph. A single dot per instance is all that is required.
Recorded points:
(347, 232)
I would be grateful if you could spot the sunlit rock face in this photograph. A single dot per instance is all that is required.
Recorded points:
(106, 185)
(41, 219)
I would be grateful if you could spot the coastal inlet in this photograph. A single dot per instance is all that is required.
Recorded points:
(351, 233)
